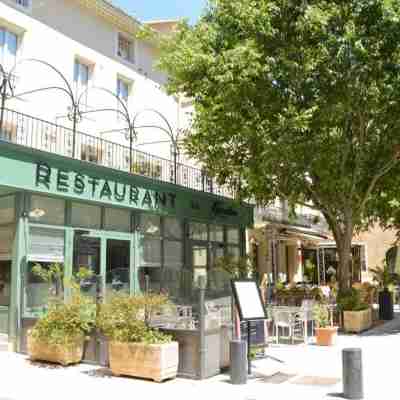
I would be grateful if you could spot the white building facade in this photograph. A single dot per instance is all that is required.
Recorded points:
(95, 47)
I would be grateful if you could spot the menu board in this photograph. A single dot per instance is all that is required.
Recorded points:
(248, 300)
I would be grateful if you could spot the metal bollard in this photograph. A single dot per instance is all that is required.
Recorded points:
(238, 360)
(352, 374)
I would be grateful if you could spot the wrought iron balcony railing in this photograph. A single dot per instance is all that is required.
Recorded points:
(42, 135)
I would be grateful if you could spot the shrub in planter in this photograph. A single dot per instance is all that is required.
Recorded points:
(136, 349)
(357, 315)
(59, 335)
(325, 333)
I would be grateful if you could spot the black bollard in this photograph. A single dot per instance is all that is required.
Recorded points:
(238, 359)
(352, 374)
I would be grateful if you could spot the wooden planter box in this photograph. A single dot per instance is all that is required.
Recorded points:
(56, 353)
(326, 336)
(357, 321)
(152, 361)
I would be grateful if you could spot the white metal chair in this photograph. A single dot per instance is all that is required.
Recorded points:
(285, 319)
(306, 315)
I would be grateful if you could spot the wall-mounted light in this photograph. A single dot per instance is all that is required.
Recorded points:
(37, 213)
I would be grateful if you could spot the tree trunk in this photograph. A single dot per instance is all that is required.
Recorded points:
(343, 235)
(344, 250)
(343, 242)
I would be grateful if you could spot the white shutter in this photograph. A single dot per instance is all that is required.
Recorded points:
(46, 245)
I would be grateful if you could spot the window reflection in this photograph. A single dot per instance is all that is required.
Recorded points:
(149, 224)
(5, 282)
(154, 279)
(47, 210)
(118, 262)
(198, 231)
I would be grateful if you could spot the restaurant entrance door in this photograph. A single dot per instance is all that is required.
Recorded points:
(110, 258)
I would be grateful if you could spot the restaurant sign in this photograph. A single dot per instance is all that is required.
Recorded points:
(95, 188)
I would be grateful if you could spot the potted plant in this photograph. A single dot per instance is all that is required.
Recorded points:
(59, 335)
(385, 280)
(357, 315)
(325, 332)
(136, 349)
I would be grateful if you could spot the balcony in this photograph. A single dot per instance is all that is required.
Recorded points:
(282, 216)
(28, 131)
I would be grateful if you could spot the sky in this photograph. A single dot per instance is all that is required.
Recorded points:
(146, 10)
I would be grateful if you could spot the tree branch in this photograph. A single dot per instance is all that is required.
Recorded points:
(391, 164)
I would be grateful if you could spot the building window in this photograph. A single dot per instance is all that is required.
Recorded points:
(23, 3)
(7, 210)
(126, 48)
(81, 80)
(116, 219)
(198, 231)
(8, 49)
(233, 235)
(85, 216)
(47, 210)
(123, 88)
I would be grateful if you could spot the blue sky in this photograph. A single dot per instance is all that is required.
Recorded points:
(146, 10)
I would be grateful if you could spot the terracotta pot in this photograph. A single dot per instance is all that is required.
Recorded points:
(57, 353)
(152, 361)
(326, 336)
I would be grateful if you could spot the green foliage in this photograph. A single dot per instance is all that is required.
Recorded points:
(53, 275)
(82, 274)
(237, 268)
(123, 318)
(296, 99)
(55, 272)
(350, 300)
(65, 323)
(384, 277)
(321, 315)
(309, 269)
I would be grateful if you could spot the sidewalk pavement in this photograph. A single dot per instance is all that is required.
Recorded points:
(290, 371)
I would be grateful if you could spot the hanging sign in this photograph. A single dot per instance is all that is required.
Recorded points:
(248, 300)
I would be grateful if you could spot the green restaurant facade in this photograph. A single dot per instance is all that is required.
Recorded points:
(124, 227)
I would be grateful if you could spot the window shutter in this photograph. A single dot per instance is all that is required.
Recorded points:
(46, 245)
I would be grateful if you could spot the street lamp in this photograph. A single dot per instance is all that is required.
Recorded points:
(173, 136)
(7, 92)
(123, 112)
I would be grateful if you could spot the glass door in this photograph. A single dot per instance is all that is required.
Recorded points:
(118, 262)
(5, 291)
(87, 255)
(199, 257)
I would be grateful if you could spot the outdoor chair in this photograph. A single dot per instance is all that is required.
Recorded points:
(306, 316)
(286, 319)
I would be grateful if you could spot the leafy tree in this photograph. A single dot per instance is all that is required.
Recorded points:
(295, 99)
